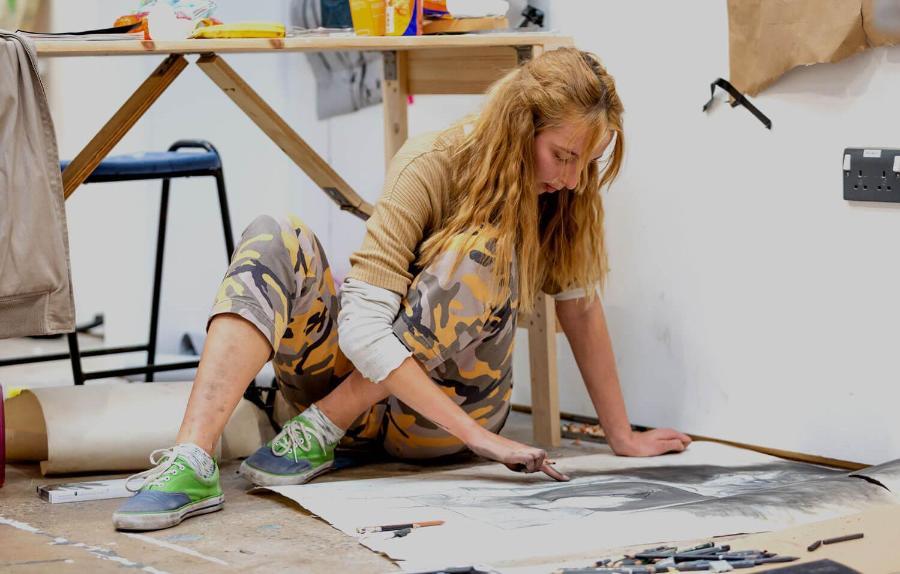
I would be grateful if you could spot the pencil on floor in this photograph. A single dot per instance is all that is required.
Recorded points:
(389, 527)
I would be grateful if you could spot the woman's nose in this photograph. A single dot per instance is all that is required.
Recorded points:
(570, 175)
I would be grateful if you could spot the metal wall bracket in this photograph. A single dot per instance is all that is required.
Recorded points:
(523, 54)
(389, 61)
(343, 204)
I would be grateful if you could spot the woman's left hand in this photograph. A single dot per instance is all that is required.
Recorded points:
(650, 443)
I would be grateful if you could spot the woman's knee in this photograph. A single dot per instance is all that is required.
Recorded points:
(270, 273)
(283, 246)
(272, 233)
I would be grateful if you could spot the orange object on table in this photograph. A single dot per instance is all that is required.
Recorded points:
(134, 19)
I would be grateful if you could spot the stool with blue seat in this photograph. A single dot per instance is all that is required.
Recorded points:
(166, 166)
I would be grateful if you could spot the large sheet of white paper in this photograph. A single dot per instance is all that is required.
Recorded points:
(493, 516)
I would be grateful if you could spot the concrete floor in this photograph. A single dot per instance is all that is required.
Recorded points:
(253, 533)
(259, 532)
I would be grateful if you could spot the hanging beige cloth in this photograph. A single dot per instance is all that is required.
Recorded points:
(35, 281)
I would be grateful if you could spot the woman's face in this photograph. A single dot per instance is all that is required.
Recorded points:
(556, 154)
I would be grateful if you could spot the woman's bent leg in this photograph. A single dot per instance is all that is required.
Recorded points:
(309, 365)
(251, 321)
(243, 330)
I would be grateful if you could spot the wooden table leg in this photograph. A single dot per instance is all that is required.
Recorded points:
(123, 120)
(283, 135)
(394, 94)
(544, 376)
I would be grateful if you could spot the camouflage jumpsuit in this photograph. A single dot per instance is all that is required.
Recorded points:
(279, 281)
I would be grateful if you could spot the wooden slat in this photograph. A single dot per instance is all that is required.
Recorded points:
(283, 135)
(787, 454)
(544, 377)
(123, 120)
(598, 433)
(61, 48)
(394, 92)
(458, 70)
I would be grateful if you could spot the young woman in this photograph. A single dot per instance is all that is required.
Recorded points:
(416, 356)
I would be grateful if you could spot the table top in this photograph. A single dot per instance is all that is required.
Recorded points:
(311, 43)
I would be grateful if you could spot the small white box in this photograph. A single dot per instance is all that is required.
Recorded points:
(80, 491)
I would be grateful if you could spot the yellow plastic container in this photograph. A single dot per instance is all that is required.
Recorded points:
(368, 17)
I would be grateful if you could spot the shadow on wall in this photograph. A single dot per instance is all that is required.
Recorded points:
(848, 78)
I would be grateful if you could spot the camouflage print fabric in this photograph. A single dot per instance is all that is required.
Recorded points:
(279, 280)
(463, 342)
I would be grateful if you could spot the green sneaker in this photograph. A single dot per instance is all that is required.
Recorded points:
(171, 492)
(296, 455)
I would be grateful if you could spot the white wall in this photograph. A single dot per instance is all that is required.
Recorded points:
(747, 300)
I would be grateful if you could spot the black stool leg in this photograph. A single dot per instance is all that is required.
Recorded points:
(226, 216)
(75, 356)
(157, 277)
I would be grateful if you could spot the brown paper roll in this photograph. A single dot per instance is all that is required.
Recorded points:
(114, 427)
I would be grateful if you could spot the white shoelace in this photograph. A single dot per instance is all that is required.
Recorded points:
(296, 435)
(165, 465)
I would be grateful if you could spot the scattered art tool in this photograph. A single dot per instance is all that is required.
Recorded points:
(392, 527)
(616, 570)
(815, 545)
(706, 557)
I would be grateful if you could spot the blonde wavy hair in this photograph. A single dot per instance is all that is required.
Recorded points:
(554, 237)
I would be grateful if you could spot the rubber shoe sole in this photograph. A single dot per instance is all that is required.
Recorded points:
(168, 519)
(260, 477)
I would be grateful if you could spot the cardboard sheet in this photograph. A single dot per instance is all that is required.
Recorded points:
(113, 427)
(769, 37)
(496, 517)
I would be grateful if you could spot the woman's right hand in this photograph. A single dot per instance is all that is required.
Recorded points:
(515, 455)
